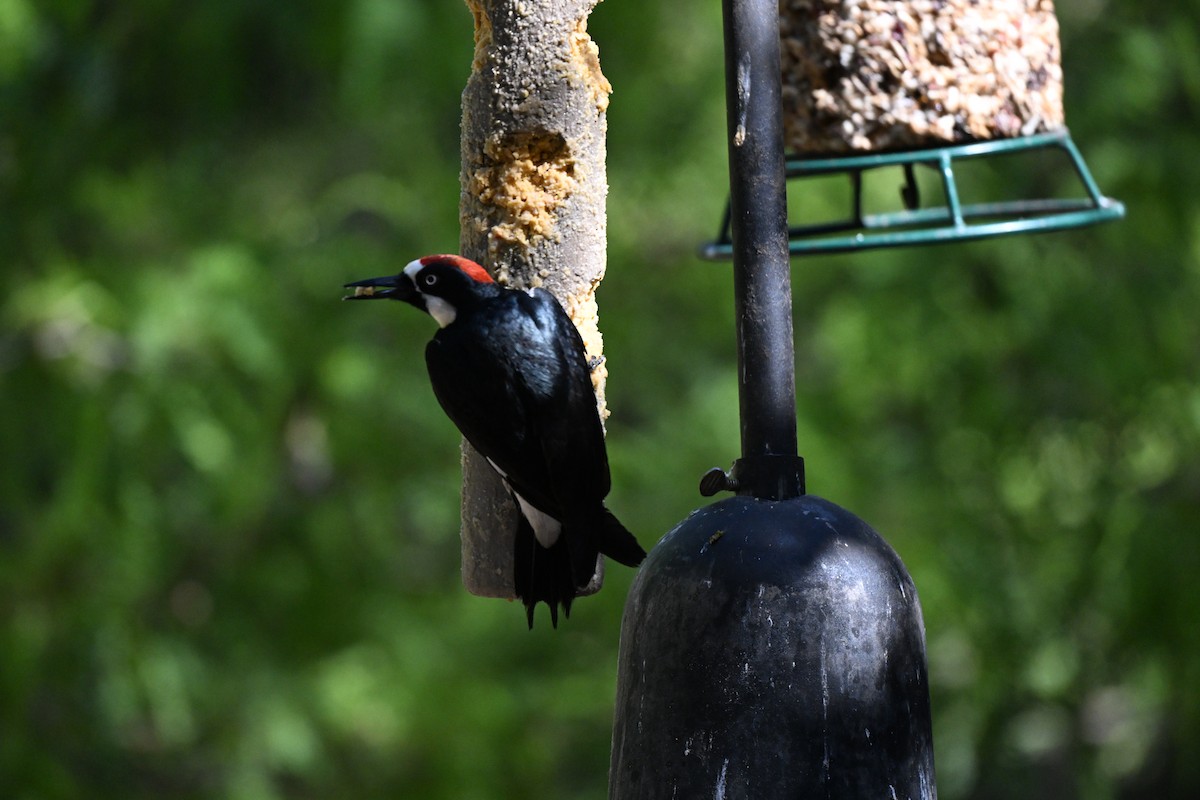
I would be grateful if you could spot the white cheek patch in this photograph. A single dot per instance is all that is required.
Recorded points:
(440, 310)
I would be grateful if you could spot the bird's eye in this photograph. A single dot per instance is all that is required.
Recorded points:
(429, 279)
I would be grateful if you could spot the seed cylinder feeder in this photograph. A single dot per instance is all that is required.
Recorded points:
(874, 75)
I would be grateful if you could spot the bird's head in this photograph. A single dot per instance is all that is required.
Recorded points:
(441, 285)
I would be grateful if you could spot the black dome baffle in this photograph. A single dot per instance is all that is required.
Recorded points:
(779, 652)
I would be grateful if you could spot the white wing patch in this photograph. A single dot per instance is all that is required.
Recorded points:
(546, 529)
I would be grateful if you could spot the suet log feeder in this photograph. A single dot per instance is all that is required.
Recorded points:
(532, 211)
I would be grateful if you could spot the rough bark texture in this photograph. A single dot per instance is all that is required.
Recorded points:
(532, 208)
(878, 74)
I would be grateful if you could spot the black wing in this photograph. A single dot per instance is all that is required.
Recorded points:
(516, 382)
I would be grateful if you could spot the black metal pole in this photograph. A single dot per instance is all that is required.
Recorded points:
(769, 467)
(758, 201)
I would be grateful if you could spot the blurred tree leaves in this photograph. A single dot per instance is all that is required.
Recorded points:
(228, 503)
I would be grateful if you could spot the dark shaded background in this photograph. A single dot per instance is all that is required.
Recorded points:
(228, 502)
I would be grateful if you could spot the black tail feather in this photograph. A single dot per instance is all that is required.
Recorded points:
(616, 542)
(544, 574)
(554, 575)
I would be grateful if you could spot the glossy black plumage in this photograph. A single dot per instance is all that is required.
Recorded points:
(510, 370)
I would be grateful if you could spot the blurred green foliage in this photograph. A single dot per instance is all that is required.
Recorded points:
(228, 503)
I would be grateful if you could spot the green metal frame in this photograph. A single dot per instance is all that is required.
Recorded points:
(952, 222)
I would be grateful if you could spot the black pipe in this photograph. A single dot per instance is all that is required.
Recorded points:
(762, 290)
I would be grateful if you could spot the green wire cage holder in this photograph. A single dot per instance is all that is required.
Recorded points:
(952, 222)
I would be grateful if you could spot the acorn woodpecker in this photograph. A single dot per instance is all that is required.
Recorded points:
(511, 371)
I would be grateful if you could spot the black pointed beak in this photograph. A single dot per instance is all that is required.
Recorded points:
(393, 287)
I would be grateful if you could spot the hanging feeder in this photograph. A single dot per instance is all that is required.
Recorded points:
(772, 644)
(870, 85)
